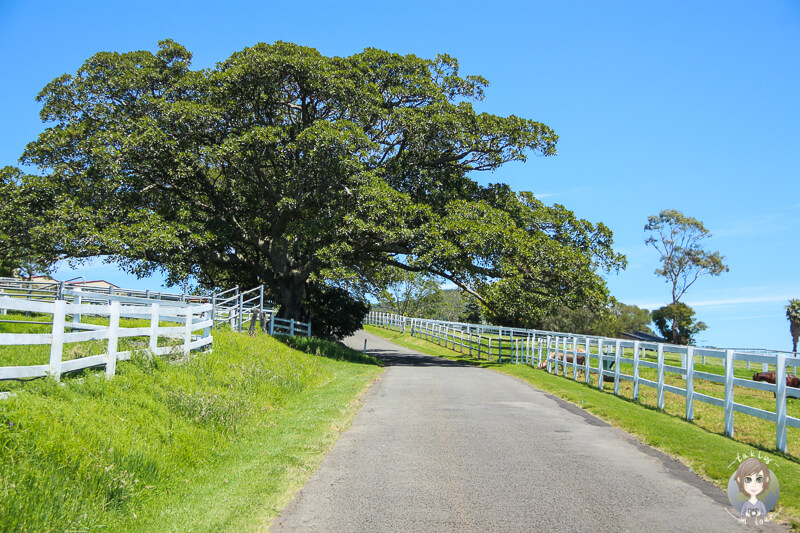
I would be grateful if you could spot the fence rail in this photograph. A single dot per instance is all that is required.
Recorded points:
(193, 318)
(565, 354)
(233, 307)
(75, 300)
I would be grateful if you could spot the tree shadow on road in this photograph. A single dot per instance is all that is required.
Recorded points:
(329, 349)
(397, 358)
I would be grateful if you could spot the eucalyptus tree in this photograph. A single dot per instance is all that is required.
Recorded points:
(679, 240)
(300, 171)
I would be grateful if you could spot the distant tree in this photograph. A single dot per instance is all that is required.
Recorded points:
(629, 318)
(610, 320)
(472, 312)
(793, 315)
(410, 292)
(582, 321)
(678, 238)
(451, 306)
(676, 321)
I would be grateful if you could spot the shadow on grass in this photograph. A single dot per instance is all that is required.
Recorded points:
(329, 349)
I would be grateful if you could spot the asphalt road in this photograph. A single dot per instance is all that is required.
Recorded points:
(439, 446)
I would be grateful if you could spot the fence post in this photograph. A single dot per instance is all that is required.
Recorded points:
(539, 352)
(207, 330)
(600, 376)
(660, 377)
(587, 369)
(240, 318)
(76, 317)
(57, 332)
(729, 392)
(529, 348)
(575, 358)
(291, 327)
(635, 370)
(272, 323)
(780, 402)
(213, 309)
(489, 351)
(155, 311)
(308, 331)
(187, 333)
(690, 383)
(617, 354)
(113, 340)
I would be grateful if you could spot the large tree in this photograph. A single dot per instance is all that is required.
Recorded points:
(679, 240)
(289, 168)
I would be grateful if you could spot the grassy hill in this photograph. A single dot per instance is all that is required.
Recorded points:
(220, 442)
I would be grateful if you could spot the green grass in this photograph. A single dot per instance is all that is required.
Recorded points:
(220, 442)
(700, 444)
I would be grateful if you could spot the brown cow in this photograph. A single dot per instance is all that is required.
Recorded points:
(769, 377)
(581, 360)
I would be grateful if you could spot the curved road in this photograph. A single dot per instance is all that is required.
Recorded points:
(440, 446)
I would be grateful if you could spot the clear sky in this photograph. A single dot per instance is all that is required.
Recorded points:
(688, 105)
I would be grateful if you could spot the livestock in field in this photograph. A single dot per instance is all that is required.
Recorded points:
(769, 377)
(581, 360)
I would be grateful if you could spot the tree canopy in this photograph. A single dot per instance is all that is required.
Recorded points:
(300, 171)
(676, 321)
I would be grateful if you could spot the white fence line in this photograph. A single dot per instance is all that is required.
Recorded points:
(232, 306)
(562, 353)
(59, 336)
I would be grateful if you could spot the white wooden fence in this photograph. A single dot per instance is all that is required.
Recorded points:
(191, 318)
(603, 357)
(234, 307)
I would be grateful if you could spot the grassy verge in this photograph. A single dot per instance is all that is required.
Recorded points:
(700, 444)
(217, 443)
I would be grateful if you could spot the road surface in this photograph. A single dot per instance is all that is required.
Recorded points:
(444, 447)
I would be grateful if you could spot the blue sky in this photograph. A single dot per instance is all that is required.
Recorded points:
(682, 105)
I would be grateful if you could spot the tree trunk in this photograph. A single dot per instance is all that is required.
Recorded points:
(291, 293)
(794, 329)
